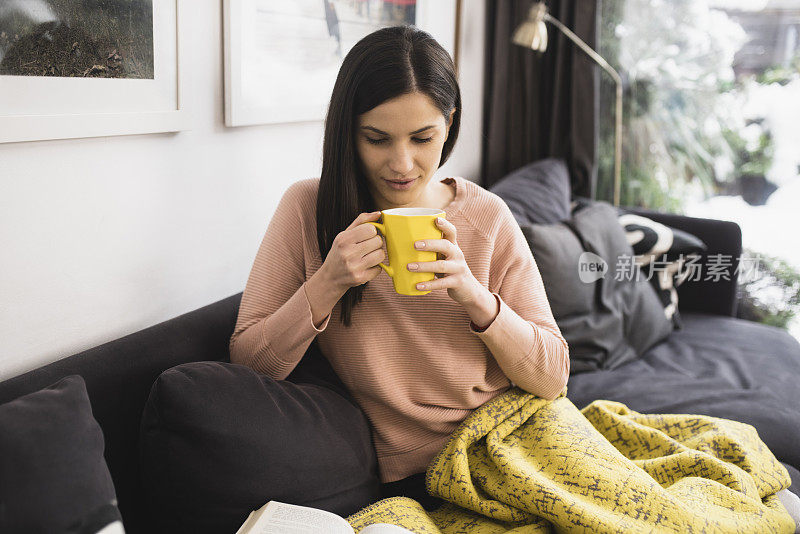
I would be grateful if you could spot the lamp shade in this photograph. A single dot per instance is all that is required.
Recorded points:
(532, 33)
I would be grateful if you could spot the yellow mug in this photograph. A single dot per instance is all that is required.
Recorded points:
(402, 227)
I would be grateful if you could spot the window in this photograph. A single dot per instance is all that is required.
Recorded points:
(711, 121)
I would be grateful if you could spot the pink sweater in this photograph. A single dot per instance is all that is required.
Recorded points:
(415, 364)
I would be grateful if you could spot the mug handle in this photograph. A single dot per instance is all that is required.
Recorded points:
(382, 229)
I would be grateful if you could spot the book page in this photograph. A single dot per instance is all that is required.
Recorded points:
(384, 528)
(281, 518)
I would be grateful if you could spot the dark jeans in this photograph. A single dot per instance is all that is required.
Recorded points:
(413, 487)
(315, 369)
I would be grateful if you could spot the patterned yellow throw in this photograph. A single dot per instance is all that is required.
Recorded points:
(522, 464)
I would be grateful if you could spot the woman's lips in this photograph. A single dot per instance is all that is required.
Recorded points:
(400, 186)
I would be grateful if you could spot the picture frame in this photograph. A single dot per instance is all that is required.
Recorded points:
(304, 98)
(37, 108)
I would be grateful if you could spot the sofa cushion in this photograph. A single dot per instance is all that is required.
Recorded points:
(606, 321)
(667, 257)
(537, 193)
(219, 440)
(717, 366)
(53, 475)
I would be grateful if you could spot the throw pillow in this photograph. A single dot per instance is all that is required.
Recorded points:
(607, 317)
(537, 193)
(665, 256)
(218, 440)
(53, 476)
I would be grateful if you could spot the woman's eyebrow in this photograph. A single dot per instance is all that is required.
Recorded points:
(412, 133)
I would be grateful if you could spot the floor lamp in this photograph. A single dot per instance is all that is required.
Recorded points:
(533, 34)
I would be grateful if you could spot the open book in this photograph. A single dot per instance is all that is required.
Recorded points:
(281, 518)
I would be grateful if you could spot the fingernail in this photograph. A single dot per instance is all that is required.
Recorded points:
(420, 286)
(419, 244)
(412, 265)
(439, 220)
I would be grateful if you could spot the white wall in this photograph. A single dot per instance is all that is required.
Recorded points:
(103, 237)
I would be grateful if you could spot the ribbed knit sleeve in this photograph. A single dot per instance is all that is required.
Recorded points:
(275, 327)
(524, 337)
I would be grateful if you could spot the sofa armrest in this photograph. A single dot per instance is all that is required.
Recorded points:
(706, 295)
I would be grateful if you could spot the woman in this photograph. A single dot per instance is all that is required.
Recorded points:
(416, 365)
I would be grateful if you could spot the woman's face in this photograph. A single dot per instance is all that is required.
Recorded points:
(400, 144)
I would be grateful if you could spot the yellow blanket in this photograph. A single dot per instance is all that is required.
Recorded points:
(522, 464)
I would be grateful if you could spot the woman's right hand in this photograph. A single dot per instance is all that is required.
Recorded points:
(355, 253)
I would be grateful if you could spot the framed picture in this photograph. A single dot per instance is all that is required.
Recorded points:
(83, 68)
(282, 56)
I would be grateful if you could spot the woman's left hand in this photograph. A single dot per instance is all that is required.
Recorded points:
(461, 285)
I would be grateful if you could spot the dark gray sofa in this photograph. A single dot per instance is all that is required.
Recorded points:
(716, 365)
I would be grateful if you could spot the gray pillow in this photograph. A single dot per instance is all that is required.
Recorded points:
(537, 193)
(53, 474)
(608, 321)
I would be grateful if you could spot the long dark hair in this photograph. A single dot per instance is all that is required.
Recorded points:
(383, 65)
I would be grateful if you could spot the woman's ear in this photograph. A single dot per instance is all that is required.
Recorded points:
(449, 123)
